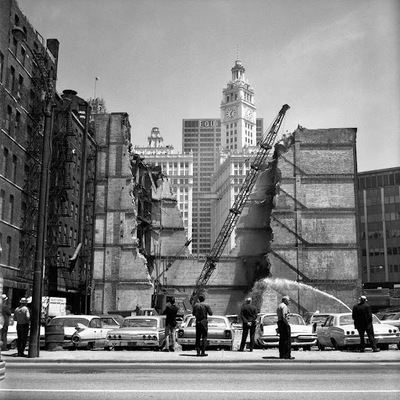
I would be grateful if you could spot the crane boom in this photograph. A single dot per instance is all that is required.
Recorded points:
(238, 205)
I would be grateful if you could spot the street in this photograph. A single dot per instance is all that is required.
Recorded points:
(47, 381)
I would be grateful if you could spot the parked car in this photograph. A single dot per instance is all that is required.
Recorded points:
(112, 321)
(146, 331)
(338, 332)
(220, 333)
(235, 321)
(391, 318)
(316, 319)
(81, 331)
(266, 335)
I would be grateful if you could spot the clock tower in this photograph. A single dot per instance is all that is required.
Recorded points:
(238, 112)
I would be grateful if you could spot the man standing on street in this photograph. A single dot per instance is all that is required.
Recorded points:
(284, 329)
(362, 316)
(6, 312)
(171, 310)
(201, 311)
(248, 314)
(22, 316)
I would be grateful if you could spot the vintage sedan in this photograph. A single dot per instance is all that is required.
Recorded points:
(338, 332)
(266, 336)
(113, 321)
(144, 331)
(81, 331)
(220, 333)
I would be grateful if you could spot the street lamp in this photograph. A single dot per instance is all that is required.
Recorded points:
(41, 231)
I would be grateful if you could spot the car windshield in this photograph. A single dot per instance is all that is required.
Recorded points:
(320, 318)
(140, 323)
(390, 316)
(69, 322)
(296, 320)
(213, 322)
(270, 320)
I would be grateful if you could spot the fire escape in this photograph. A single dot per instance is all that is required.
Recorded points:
(34, 148)
(58, 239)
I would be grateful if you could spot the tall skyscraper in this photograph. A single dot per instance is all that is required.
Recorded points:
(213, 141)
(202, 137)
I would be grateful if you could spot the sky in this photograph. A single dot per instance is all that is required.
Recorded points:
(335, 62)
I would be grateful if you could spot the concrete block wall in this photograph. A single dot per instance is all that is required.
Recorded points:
(120, 275)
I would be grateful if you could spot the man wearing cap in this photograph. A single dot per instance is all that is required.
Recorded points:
(362, 316)
(6, 312)
(248, 314)
(22, 316)
(285, 345)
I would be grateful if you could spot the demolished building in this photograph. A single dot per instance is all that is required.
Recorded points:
(297, 233)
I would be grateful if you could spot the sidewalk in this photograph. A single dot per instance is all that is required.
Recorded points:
(149, 356)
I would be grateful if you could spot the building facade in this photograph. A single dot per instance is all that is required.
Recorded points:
(28, 69)
(29, 107)
(379, 222)
(178, 168)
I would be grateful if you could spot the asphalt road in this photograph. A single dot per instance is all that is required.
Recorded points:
(202, 381)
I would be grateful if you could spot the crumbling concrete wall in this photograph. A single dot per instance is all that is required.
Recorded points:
(118, 266)
(299, 226)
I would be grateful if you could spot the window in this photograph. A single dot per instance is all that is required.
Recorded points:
(8, 119)
(9, 242)
(2, 206)
(1, 66)
(11, 209)
(20, 87)
(12, 80)
(14, 168)
(17, 125)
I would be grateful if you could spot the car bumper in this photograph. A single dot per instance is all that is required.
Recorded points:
(133, 343)
(210, 342)
(353, 341)
(300, 341)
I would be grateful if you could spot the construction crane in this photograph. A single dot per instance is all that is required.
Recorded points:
(238, 205)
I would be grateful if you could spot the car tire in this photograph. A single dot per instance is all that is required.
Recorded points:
(13, 345)
(320, 346)
(109, 348)
(384, 346)
(306, 348)
(335, 345)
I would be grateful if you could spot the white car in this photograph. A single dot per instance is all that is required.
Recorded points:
(220, 333)
(81, 331)
(266, 335)
(338, 331)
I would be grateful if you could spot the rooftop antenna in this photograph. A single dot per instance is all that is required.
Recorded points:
(95, 84)
(237, 52)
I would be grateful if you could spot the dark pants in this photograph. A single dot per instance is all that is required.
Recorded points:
(284, 340)
(246, 330)
(370, 333)
(3, 337)
(201, 336)
(22, 339)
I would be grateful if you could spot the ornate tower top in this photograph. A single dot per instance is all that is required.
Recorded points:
(155, 139)
(238, 71)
